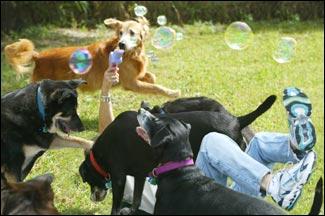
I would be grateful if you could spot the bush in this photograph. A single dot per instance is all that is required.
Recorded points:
(21, 14)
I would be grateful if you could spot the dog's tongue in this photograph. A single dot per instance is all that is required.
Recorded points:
(142, 133)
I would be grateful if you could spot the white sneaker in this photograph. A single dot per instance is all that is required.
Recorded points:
(286, 185)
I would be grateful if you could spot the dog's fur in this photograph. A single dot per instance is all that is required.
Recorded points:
(197, 104)
(33, 197)
(54, 63)
(120, 151)
(186, 190)
(21, 141)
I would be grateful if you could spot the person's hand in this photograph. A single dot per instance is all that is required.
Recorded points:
(111, 77)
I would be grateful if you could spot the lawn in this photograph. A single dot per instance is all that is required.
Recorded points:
(200, 64)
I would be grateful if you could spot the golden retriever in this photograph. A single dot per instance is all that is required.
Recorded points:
(54, 63)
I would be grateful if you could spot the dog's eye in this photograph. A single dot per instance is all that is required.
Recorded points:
(121, 33)
(132, 33)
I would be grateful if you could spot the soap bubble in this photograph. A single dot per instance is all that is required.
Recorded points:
(80, 61)
(162, 20)
(163, 37)
(179, 36)
(285, 50)
(140, 10)
(238, 35)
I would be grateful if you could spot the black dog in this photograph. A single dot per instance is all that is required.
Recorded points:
(197, 104)
(119, 151)
(34, 119)
(183, 189)
(33, 197)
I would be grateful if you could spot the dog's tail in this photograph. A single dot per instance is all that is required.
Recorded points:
(246, 120)
(20, 55)
(318, 198)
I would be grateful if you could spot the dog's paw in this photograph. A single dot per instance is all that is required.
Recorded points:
(175, 93)
(126, 211)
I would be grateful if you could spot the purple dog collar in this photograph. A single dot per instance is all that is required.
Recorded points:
(171, 166)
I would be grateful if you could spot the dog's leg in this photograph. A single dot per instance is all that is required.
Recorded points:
(63, 141)
(149, 78)
(118, 192)
(137, 194)
(143, 87)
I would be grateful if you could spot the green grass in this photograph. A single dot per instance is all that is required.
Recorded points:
(201, 64)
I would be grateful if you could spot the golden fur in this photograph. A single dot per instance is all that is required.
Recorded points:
(54, 63)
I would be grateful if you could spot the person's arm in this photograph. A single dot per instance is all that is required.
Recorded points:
(106, 115)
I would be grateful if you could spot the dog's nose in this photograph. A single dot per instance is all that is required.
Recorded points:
(121, 45)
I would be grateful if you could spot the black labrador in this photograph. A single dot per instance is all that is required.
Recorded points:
(197, 104)
(34, 119)
(183, 189)
(119, 151)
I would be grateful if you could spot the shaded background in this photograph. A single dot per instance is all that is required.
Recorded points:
(19, 15)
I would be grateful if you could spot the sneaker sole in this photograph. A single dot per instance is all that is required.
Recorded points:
(289, 208)
(296, 100)
(300, 137)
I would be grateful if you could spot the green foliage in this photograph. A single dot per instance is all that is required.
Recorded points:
(201, 64)
(16, 15)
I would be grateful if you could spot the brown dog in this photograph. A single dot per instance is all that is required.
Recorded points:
(33, 197)
(54, 63)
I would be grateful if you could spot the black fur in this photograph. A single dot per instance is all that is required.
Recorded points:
(208, 104)
(21, 122)
(186, 191)
(120, 151)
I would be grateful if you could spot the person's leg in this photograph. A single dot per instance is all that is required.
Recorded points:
(269, 148)
(220, 156)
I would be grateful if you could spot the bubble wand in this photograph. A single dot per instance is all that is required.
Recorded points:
(115, 58)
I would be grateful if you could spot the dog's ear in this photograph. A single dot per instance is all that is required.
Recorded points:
(161, 137)
(112, 23)
(46, 178)
(142, 20)
(145, 27)
(75, 83)
(145, 105)
(86, 152)
(187, 126)
(60, 95)
(82, 171)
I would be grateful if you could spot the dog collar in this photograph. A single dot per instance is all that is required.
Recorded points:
(97, 167)
(41, 108)
(170, 166)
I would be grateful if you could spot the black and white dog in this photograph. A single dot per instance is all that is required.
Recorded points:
(182, 188)
(34, 119)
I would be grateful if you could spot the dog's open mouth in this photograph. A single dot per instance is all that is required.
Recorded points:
(64, 126)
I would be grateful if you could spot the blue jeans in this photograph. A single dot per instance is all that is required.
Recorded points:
(220, 157)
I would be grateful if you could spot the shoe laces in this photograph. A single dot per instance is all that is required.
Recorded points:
(290, 175)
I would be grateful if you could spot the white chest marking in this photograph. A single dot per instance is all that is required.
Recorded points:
(30, 151)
